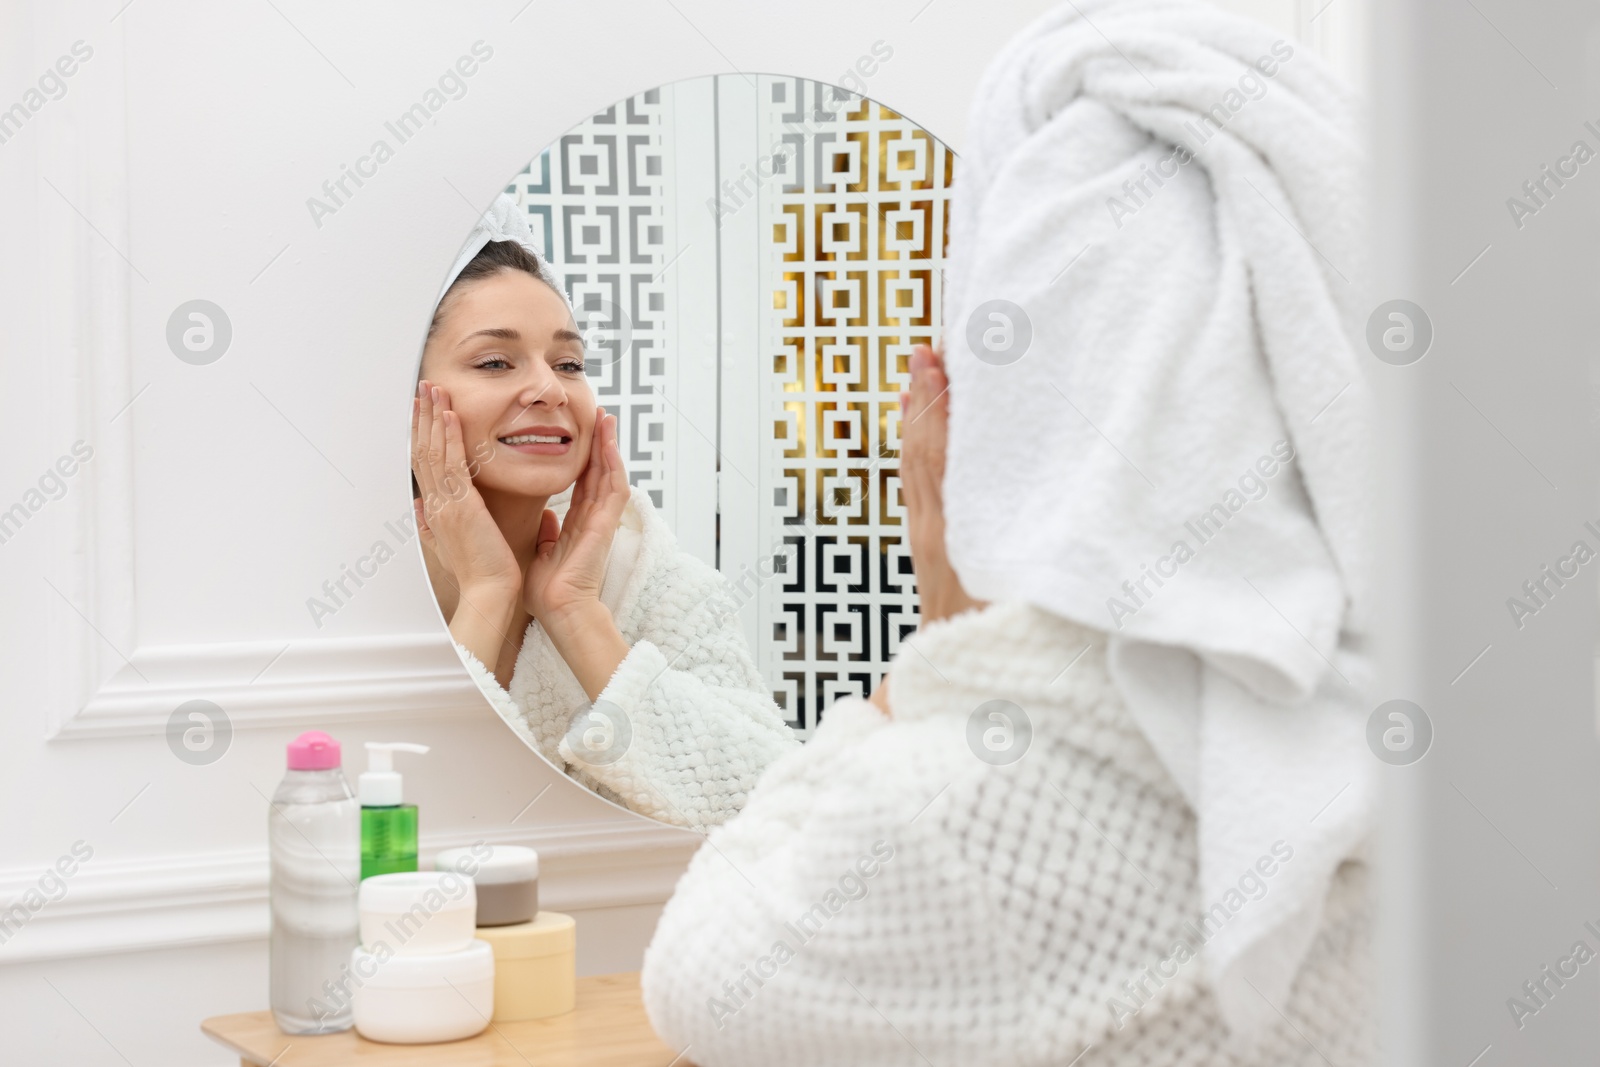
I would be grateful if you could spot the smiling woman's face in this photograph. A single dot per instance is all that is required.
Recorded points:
(509, 356)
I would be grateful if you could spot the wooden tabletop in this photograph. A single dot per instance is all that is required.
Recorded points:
(608, 1029)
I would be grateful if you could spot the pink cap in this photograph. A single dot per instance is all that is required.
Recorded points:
(313, 751)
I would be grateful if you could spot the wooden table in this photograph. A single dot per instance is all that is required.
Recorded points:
(608, 1029)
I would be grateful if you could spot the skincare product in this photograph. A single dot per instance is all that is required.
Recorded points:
(313, 844)
(418, 999)
(388, 827)
(535, 967)
(507, 878)
(417, 913)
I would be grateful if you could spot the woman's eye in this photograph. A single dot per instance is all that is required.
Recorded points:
(571, 366)
(490, 363)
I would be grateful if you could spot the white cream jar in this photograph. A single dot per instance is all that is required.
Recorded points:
(418, 913)
(410, 1000)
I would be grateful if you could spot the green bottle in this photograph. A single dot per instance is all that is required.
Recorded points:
(388, 827)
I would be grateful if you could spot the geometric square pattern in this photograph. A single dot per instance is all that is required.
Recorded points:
(849, 268)
(853, 267)
(597, 203)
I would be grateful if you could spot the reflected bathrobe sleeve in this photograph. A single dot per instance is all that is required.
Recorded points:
(490, 686)
(683, 731)
(686, 725)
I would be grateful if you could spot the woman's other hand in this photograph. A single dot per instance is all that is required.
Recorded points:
(561, 587)
(880, 697)
(924, 427)
(566, 571)
(452, 519)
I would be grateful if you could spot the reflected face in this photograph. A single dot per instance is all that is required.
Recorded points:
(510, 358)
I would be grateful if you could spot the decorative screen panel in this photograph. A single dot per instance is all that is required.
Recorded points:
(854, 228)
(755, 257)
(601, 201)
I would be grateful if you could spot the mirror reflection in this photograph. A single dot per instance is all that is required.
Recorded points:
(656, 430)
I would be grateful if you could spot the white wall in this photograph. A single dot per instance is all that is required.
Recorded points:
(1491, 844)
(219, 497)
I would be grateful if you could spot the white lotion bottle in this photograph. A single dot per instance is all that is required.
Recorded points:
(314, 840)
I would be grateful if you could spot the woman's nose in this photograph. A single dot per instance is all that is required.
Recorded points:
(542, 387)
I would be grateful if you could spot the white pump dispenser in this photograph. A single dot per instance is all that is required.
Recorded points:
(379, 784)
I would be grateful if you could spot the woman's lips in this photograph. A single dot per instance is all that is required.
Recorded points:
(545, 446)
(539, 439)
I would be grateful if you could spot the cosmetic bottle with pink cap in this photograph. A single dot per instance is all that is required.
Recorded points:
(314, 842)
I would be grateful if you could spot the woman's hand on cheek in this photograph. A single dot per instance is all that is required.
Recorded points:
(563, 579)
(452, 520)
(924, 426)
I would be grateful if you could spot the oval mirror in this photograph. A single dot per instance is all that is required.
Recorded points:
(722, 279)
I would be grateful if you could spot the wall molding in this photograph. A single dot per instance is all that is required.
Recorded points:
(87, 278)
(123, 906)
(278, 683)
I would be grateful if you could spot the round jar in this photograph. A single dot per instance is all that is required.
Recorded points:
(535, 967)
(413, 1000)
(417, 913)
(507, 879)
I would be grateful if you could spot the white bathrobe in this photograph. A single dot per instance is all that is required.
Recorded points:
(700, 722)
(887, 898)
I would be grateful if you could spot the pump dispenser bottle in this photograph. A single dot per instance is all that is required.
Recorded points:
(388, 827)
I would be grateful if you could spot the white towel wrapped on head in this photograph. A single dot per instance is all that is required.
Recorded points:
(505, 220)
(1170, 440)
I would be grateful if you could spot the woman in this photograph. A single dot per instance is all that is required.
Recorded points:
(608, 649)
(1111, 802)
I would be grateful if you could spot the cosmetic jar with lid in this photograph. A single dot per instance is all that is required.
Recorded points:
(506, 876)
(419, 999)
(418, 913)
(535, 967)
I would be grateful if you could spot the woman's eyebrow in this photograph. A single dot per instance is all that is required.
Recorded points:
(505, 333)
(502, 333)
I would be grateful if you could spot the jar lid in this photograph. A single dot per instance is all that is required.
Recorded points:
(491, 864)
(548, 934)
(475, 963)
(433, 891)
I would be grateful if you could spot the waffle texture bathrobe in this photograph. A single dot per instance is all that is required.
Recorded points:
(687, 724)
(886, 898)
